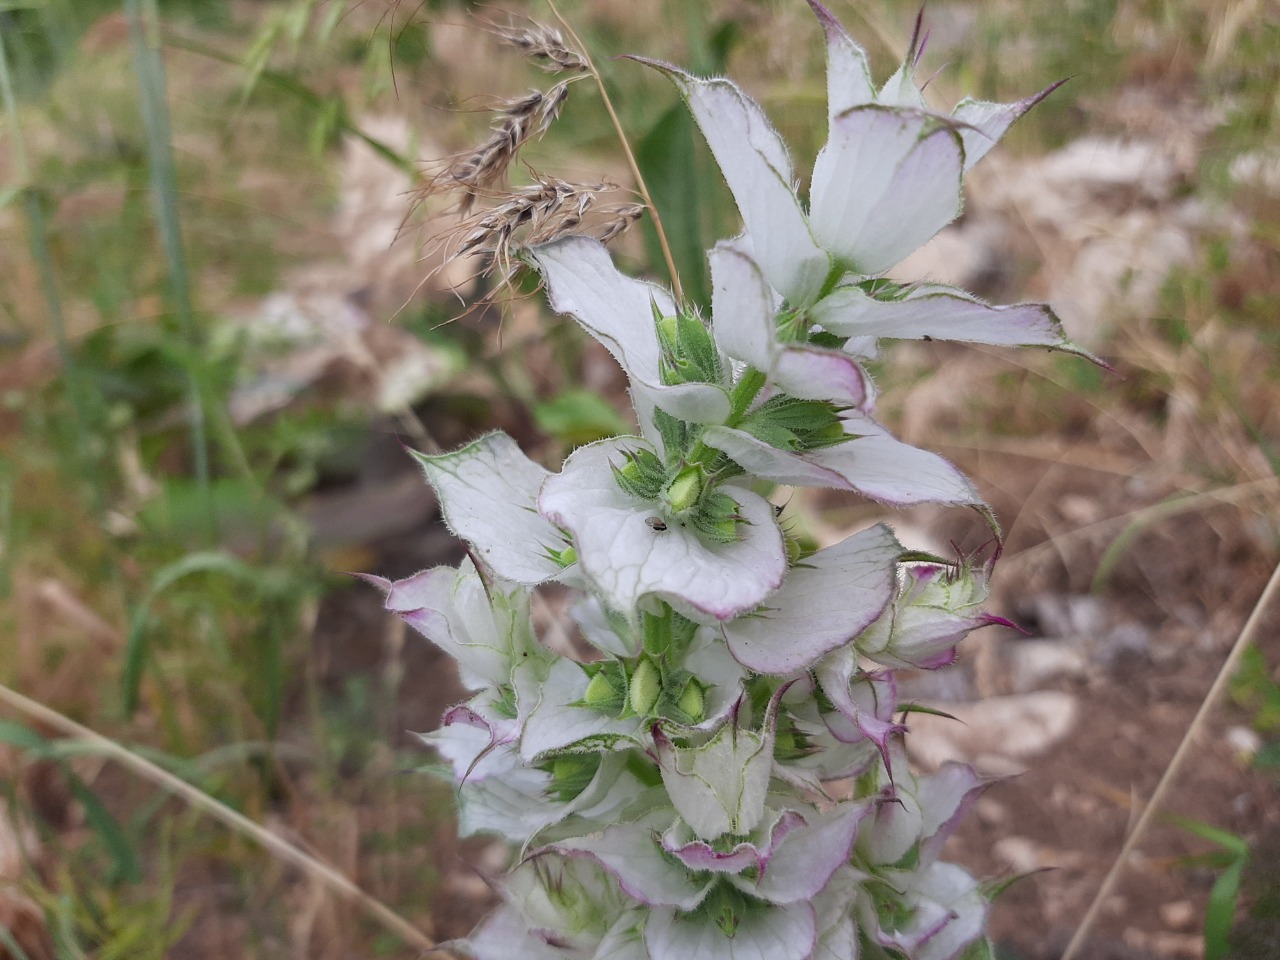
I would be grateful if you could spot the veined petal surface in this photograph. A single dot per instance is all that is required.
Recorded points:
(618, 311)
(627, 559)
(825, 601)
(873, 463)
(940, 313)
(755, 164)
(488, 494)
(776, 933)
(886, 181)
(743, 311)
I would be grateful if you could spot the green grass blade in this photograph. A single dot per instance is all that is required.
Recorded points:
(1220, 914)
(42, 257)
(149, 67)
(667, 156)
(135, 654)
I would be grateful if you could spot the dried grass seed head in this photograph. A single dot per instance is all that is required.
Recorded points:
(544, 46)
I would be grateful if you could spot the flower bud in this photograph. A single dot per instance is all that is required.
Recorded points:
(646, 686)
(692, 702)
(683, 492)
(600, 691)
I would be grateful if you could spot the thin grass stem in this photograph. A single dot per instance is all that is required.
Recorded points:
(149, 67)
(626, 149)
(277, 846)
(42, 256)
(1175, 765)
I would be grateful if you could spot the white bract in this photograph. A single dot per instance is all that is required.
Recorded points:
(672, 797)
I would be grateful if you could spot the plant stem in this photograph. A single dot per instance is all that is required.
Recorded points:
(1175, 765)
(626, 149)
(42, 255)
(143, 35)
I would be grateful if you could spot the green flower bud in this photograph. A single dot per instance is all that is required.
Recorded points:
(600, 691)
(566, 557)
(646, 687)
(794, 550)
(683, 492)
(573, 773)
(692, 702)
(642, 475)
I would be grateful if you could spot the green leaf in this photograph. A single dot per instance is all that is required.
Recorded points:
(124, 861)
(667, 157)
(1223, 838)
(577, 417)
(1220, 914)
(136, 645)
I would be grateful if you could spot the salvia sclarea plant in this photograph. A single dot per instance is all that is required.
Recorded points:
(726, 779)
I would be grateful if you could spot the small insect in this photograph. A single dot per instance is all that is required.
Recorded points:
(656, 523)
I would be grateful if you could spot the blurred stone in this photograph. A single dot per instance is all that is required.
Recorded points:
(1002, 730)
(1179, 915)
(1019, 853)
(1031, 663)
(1244, 743)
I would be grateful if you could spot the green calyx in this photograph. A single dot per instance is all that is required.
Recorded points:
(726, 906)
(686, 351)
(607, 690)
(643, 475)
(684, 491)
(571, 774)
(797, 425)
(645, 687)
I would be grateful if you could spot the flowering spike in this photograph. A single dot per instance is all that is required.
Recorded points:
(663, 792)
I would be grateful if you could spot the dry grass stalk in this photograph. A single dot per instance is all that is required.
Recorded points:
(544, 46)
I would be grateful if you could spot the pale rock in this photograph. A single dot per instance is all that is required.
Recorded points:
(1004, 731)
(1031, 663)
(1244, 743)
(1179, 915)
(1019, 853)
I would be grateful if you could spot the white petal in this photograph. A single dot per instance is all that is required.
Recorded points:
(776, 933)
(940, 313)
(837, 934)
(808, 858)
(700, 855)
(504, 934)
(488, 494)
(953, 888)
(824, 602)
(873, 464)
(590, 616)
(848, 75)
(743, 312)
(618, 311)
(553, 725)
(452, 609)
(945, 797)
(627, 559)
(755, 164)
(886, 182)
(630, 852)
(984, 123)
(625, 939)
(499, 793)
(720, 786)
